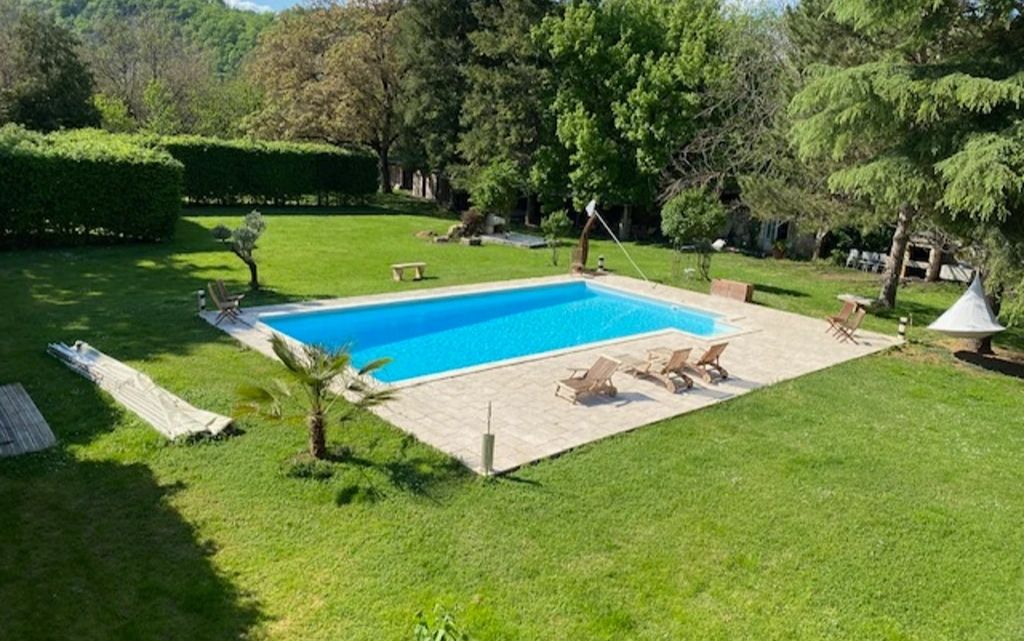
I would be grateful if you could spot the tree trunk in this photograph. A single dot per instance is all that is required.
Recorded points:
(254, 281)
(626, 224)
(384, 169)
(317, 436)
(530, 203)
(819, 242)
(894, 269)
(934, 265)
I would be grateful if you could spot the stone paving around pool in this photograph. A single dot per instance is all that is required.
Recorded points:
(449, 411)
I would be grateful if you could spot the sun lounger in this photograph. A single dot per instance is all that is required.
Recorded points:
(596, 380)
(844, 314)
(708, 366)
(663, 365)
(226, 308)
(845, 331)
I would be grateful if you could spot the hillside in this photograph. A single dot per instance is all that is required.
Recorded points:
(227, 33)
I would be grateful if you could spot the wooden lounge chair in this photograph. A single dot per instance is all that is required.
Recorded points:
(662, 365)
(844, 331)
(596, 380)
(224, 294)
(844, 314)
(708, 367)
(227, 308)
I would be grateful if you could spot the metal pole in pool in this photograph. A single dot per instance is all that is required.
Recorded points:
(592, 212)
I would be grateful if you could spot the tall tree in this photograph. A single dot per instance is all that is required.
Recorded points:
(744, 141)
(435, 48)
(914, 127)
(333, 73)
(507, 115)
(227, 34)
(147, 62)
(743, 108)
(43, 83)
(629, 79)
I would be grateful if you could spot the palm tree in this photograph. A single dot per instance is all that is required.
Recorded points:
(321, 375)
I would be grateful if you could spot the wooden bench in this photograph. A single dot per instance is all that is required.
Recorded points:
(732, 289)
(398, 270)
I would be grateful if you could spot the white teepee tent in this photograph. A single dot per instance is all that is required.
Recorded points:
(969, 317)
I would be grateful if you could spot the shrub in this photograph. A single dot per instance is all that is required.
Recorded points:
(494, 189)
(228, 171)
(693, 217)
(67, 187)
(554, 226)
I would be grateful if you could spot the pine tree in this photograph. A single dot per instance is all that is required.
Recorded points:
(435, 49)
(506, 112)
(931, 123)
(43, 83)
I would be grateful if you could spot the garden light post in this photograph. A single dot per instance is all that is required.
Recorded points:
(488, 446)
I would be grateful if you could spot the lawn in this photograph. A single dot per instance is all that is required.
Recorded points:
(880, 499)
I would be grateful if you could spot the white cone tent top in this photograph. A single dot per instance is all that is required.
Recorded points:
(969, 317)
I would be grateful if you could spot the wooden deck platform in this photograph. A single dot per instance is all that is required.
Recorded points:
(22, 428)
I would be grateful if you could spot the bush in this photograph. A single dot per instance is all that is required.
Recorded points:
(68, 187)
(494, 189)
(554, 226)
(228, 171)
(693, 217)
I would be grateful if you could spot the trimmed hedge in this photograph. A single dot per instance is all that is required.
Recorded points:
(76, 185)
(229, 171)
(87, 183)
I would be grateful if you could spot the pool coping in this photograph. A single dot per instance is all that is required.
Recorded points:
(256, 334)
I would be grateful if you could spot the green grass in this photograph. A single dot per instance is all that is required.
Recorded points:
(877, 500)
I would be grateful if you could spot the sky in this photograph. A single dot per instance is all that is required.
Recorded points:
(262, 5)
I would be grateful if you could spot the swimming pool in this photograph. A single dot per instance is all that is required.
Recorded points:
(445, 333)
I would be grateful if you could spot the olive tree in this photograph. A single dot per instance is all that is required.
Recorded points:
(242, 241)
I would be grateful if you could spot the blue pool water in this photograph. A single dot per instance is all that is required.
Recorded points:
(452, 332)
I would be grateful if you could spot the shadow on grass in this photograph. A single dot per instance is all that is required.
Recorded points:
(391, 205)
(135, 302)
(93, 550)
(420, 474)
(993, 363)
(778, 291)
